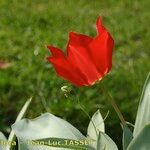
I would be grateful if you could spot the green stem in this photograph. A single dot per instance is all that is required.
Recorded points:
(88, 117)
(82, 108)
(115, 106)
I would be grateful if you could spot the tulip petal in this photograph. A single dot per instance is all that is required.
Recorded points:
(80, 42)
(84, 64)
(55, 51)
(99, 26)
(67, 71)
(88, 59)
(101, 49)
(76, 39)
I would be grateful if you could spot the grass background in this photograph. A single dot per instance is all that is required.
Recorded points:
(27, 26)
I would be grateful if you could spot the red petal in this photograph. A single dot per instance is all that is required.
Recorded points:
(88, 59)
(56, 52)
(84, 64)
(99, 26)
(101, 51)
(80, 42)
(67, 71)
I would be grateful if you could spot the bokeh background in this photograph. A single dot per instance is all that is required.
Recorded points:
(27, 26)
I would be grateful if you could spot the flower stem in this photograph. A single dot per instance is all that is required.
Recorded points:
(85, 112)
(115, 106)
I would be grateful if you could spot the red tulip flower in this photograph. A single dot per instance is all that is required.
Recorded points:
(87, 60)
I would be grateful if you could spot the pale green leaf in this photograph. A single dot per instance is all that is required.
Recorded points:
(104, 142)
(127, 136)
(23, 110)
(67, 143)
(19, 117)
(143, 114)
(96, 124)
(142, 140)
(2, 136)
(45, 126)
(3, 140)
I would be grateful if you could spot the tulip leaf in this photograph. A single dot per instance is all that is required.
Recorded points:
(23, 110)
(96, 124)
(142, 140)
(19, 117)
(66, 143)
(127, 136)
(104, 142)
(44, 126)
(2, 136)
(2, 139)
(143, 114)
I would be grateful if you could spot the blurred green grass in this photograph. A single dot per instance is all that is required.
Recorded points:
(27, 26)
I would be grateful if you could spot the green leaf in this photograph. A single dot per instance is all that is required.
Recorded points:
(143, 114)
(104, 142)
(2, 139)
(67, 143)
(96, 124)
(19, 117)
(23, 110)
(2, 136)
(127, 136)
(142, 140)
(45, 126)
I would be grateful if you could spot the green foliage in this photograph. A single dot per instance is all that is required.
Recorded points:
(41, 133)
(45, 126)
(96, 125)
(127, 136)
(48, 131)
(141, 134)
(143, 114)
(104, 142)
(21, 114)
(27, 26)
(2, 138)
(141, 141)
(68, 144)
